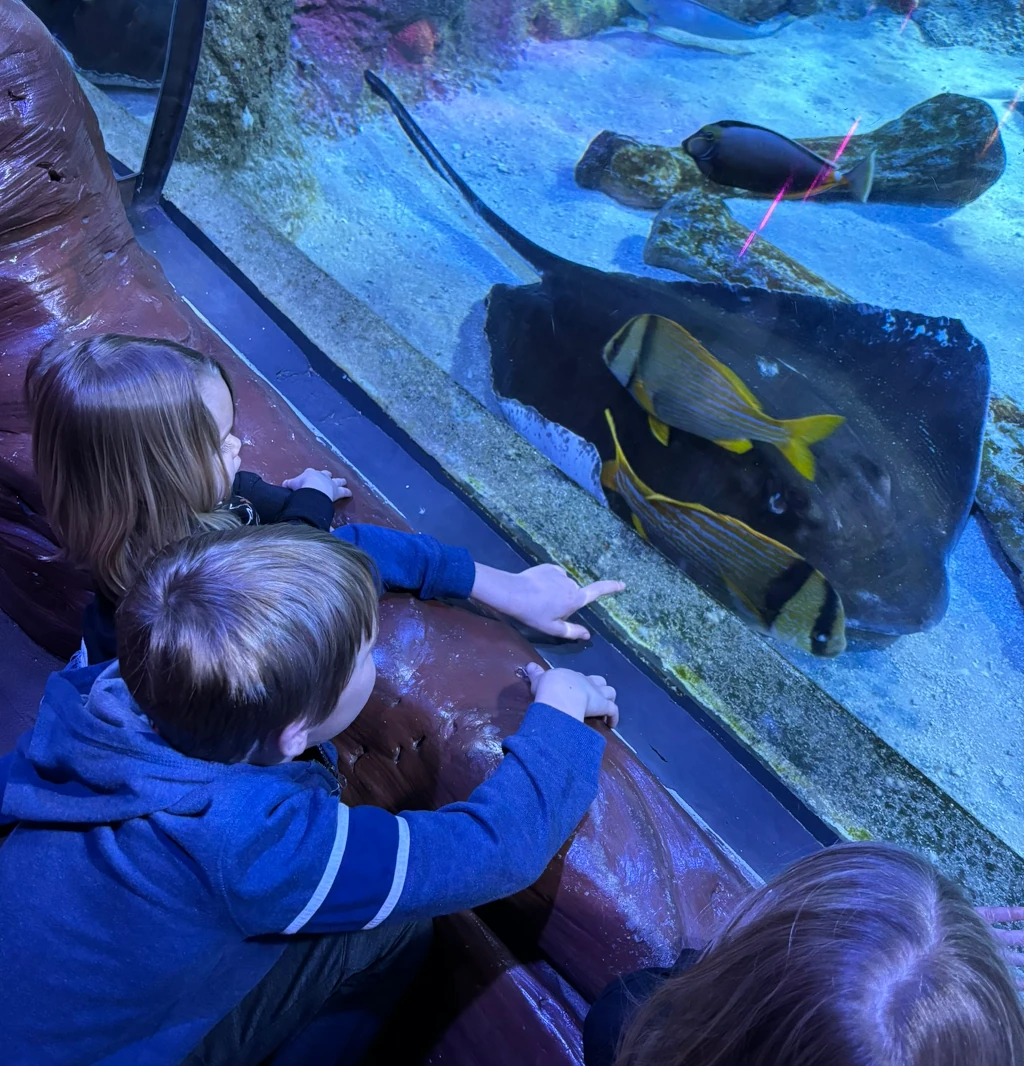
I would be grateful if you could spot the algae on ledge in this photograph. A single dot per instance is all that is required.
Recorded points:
(1001, 486)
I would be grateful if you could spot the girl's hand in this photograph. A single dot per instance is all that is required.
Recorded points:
(1010, 940)
(542, 597)
(320, 480)
(577, 695)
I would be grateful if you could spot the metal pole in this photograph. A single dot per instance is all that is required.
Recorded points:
(184, 44)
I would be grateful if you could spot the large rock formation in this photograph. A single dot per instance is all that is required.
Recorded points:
(943, 152)
(639, 879)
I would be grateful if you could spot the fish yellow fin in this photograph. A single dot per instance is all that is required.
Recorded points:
(608, 472)
(659, 429)
(804, 432)
(639, 390)
(737, 446)
(639, 527)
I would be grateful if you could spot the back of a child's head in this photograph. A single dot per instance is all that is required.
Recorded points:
(859, 955)
(125, 449)
(230, 636)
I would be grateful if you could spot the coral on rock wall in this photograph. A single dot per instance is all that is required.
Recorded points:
(244, 62)
(242, 114)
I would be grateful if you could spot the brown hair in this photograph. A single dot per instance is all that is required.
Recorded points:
(859, 955)
(125, 450)
(227, 637)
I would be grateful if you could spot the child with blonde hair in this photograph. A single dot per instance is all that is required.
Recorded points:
(857, 955)
(134, 447)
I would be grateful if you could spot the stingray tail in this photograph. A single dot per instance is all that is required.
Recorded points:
(539, 258)
(804, 432)
(862, 177)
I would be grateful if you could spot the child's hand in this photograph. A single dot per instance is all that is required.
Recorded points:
(575, 694)
(542, 597)
(1010, 940)
(320, 480)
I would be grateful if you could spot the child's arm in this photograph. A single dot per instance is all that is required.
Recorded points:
(541, 597)
(374, 865)
(304, 499)
(497, 842)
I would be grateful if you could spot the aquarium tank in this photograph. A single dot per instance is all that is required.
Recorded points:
(718, 298)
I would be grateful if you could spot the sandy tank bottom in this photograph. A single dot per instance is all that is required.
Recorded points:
(952, 700)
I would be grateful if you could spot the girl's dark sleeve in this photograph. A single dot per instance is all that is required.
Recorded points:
(272, 503)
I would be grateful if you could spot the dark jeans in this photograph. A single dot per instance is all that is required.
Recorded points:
(322, 1002)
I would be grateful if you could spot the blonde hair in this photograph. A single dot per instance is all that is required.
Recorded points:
(858, 955)
(125, 450)
(228, 637)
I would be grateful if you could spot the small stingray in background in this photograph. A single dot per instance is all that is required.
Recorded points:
(679, 383)
(894, 484)
(760, 160)
(766, 583)
(702, 21)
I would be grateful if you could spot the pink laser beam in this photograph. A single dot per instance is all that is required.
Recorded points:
(913, 8)
(821, 175)
(1011, 107)
(764, 221)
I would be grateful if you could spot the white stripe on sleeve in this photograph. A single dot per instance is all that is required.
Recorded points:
(330, 872)
(401, 866)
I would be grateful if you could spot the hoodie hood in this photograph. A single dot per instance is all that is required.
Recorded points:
(93, 758)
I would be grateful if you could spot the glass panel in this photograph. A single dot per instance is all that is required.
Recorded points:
(800, 432)
(118, 45)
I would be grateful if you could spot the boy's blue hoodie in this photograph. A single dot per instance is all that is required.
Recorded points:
(144, 893)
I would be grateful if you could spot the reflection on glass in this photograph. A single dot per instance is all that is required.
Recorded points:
(118, 45)
(777, 243)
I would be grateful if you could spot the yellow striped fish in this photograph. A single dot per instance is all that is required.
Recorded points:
(679, 383)
(772, 586)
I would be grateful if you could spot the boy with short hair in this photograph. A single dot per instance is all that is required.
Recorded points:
(169, 850)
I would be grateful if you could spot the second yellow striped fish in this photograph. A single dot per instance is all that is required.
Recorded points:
(680, 384)
(769, 584)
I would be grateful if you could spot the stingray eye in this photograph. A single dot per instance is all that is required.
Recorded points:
(777, 503)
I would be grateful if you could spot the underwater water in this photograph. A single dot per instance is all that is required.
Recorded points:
(864, 523)
(950, 699)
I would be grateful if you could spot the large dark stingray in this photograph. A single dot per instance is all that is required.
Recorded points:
(894, 485)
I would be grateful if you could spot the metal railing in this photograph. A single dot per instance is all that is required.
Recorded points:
(142, 189)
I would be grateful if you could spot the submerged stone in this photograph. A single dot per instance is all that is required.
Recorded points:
(696, 235)
(943, 152)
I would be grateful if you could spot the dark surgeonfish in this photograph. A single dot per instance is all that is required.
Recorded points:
(894, 484)
(768, 584)
(762, 161)
(702, 21)
(679, 383)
